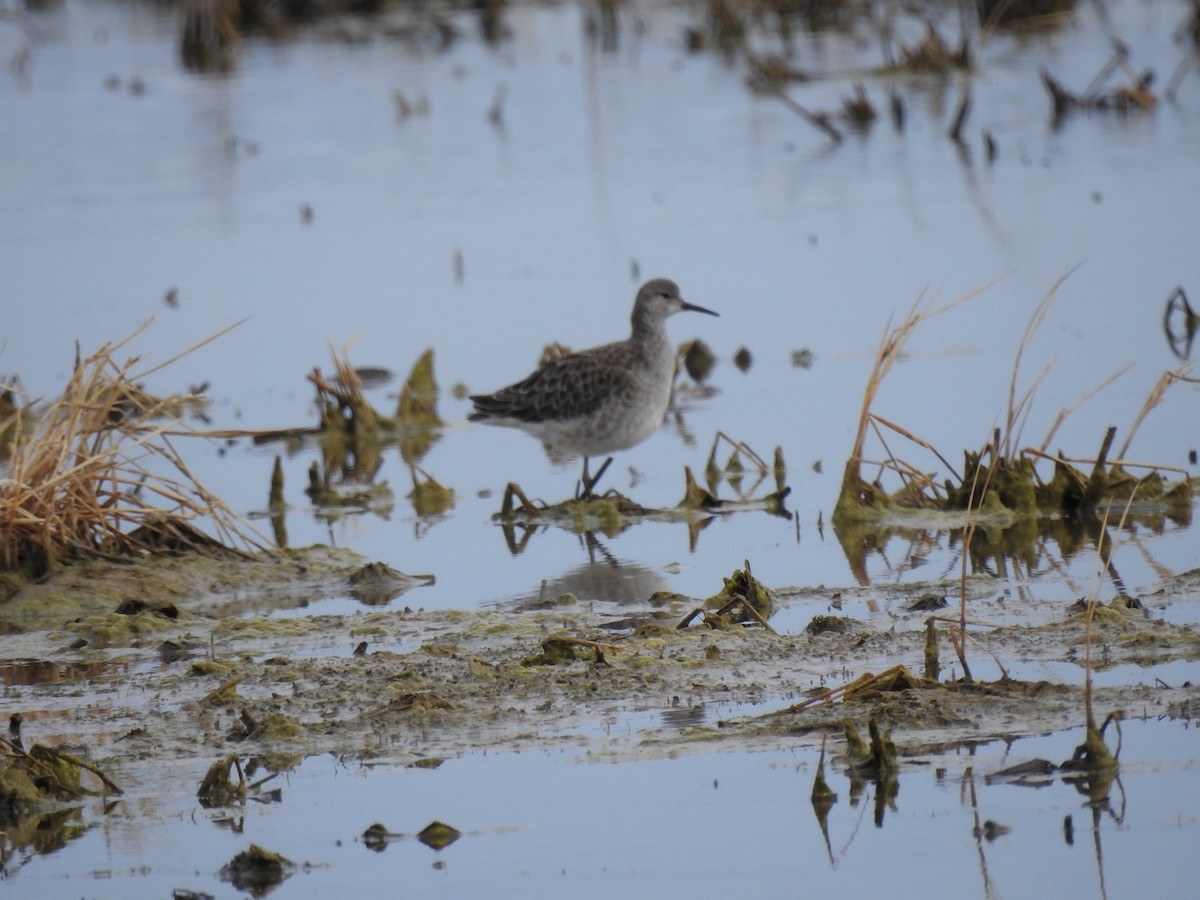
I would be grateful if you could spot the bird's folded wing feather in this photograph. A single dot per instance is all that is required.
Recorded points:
(566, 388)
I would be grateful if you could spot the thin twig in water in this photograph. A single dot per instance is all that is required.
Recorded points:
(817, 120)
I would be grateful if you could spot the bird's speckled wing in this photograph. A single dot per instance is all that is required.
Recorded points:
(561, 390)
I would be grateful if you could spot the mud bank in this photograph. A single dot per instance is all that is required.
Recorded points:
(197, 664)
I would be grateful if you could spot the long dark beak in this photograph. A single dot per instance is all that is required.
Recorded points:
(691, 307)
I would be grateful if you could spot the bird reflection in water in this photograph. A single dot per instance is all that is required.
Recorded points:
(602, 578)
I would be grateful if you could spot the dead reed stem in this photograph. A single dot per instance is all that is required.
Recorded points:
(920, 442)
(970, 523)
(1156, 394)
(890, 346)
(1094, 461)
(1087, 395)
(1015, 407)
(1106, 555)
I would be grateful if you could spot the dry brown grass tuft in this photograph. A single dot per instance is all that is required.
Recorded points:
(98, 476)
(1010, 483)
(857, 494)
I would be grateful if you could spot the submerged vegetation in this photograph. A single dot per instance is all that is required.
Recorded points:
(352, 436)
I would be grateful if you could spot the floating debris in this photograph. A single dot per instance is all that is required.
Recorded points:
(377, 584)
(406, 108)
(823, 796)
(934, 55)
(353, 434)
(927, 603)
(743, 599)
(217, 789)
(428, 496)
(1180, 324)
(820, 120)
(418, 397)
(132, 606)
(1027, 13)
(933, 665)
(803, 358)
(496, 110)
(858, 110)
(612, 512)
(960, 117)
(866, 686)
(830, 625)
(876, 760)
(990, 830)
(743, 458)
(897, 109)
(1092, 766)
(1034, 772)
(698, 360)
(257, 870)
(1133, 97)
(564, 649)
(438, 835)
(43, 775)
(377, 837)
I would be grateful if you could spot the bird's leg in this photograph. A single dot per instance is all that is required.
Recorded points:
(589, 482)
(583, 488)
(603, 469)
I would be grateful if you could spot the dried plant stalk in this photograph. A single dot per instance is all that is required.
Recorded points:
(98, 475)
(1156, 394)
(1087, 395)
(890, 346)
(1016, 406)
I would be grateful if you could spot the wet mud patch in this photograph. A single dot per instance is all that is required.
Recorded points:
(399, 685)
(203, 586)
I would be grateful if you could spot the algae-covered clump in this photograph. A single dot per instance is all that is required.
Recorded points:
(743, 584)
(257, 870)
(438, 835)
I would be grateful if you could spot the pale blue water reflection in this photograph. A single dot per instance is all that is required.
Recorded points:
(648, 155)
(702, 825)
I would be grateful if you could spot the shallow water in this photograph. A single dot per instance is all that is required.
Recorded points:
(650, 156)
(647, 154)
(548, 822)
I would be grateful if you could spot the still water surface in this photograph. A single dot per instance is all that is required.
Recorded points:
(705, 826)
(655, 159)
(648, 156)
